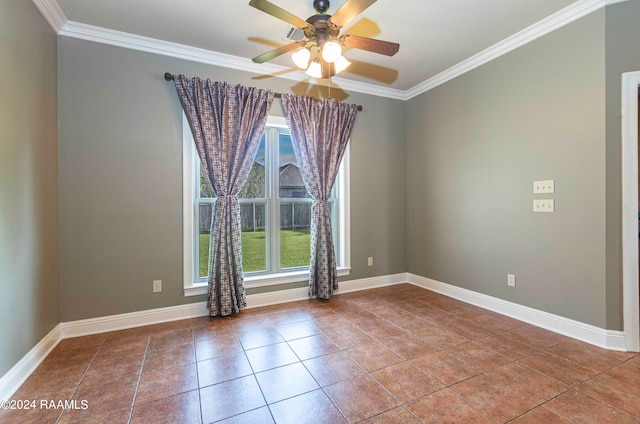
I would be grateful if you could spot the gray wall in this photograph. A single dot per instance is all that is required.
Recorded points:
(623, 55)
(28, 181)
(474, 147)
(121, 181)
(471, 149)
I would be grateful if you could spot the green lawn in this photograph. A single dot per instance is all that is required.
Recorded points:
(294, 248)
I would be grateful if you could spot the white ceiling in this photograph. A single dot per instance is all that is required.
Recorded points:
(434, 35)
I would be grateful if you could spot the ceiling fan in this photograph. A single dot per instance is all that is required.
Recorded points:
(320, 52)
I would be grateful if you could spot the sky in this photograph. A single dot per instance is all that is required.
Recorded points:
(286, 151)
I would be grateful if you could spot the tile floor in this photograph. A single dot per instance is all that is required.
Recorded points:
(398, 354)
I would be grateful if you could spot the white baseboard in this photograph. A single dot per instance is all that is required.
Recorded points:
(372, 283)
(292, 295)
(13, 379)
(191, 310)
(607, 339)
(97, 325)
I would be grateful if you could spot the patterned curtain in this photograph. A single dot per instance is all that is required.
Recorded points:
(227, 123)
(320, 131)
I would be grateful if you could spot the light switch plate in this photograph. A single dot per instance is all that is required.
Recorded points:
(546, 186)
(543, 205)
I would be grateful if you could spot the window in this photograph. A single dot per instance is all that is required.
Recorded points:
(275, 212)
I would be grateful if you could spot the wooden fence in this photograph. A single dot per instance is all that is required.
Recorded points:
(293, 216)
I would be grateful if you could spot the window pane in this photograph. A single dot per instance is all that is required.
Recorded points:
(254, 188)
(253, 215)
(289, 176)
(295, 216)
(295, 240)
(204, 227)
(334, 226)
(254, 248)
(254, 243)
(205, 188)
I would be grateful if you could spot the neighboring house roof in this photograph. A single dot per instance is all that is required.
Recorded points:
(290, 176)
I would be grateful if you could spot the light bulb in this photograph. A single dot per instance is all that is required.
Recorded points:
(331, 51)
(315, 70)
(301, 58)
(341, 64)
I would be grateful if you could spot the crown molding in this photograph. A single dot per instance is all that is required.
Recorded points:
(181, 51)
(52, 12)
(559, 19)
(56, 18)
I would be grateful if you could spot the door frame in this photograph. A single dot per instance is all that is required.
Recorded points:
(630, 258)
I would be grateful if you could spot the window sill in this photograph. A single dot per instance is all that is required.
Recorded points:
(264, 280)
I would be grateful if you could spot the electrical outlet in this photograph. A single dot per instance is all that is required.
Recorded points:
(511, 280)
(370, 261)
(543, 205)
(157, 286)
(547, 186)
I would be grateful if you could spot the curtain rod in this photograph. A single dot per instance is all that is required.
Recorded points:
(169, 77)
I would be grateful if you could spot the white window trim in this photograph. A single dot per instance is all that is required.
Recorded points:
(189, 158)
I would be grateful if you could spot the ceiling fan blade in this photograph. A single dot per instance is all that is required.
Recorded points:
(265, 57)
(278, 12)
(275, 74)
(372, 71)
(370, 44)
(349, 10)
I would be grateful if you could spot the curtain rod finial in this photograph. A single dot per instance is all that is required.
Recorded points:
(168, 76)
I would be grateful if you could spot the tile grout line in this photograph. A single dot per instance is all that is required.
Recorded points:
(135, 393)
(575, 387)
(342, 311)
(195, 356)
(537, 350)
(253, 373)
(403, 404)
(75, 390)
(445, 386)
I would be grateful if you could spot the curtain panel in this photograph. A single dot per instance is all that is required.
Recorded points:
(320, 131)
(227, 122)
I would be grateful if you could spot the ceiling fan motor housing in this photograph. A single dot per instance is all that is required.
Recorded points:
(321, 6)
(321, 30)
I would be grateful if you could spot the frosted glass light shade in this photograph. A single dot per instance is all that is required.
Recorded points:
(315, 70)
(301, 58)
(331, 51)
(341, 64)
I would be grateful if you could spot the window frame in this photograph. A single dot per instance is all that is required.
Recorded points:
(194, 284)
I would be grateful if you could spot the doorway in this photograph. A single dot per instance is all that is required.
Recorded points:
(630, 211)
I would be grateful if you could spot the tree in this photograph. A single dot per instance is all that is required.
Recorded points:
(205, 188)
(254, 187)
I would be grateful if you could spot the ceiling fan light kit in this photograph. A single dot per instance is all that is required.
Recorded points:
(315, 69)
(341, 64)
(322, 37)
(301, 57)
(331, 51)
